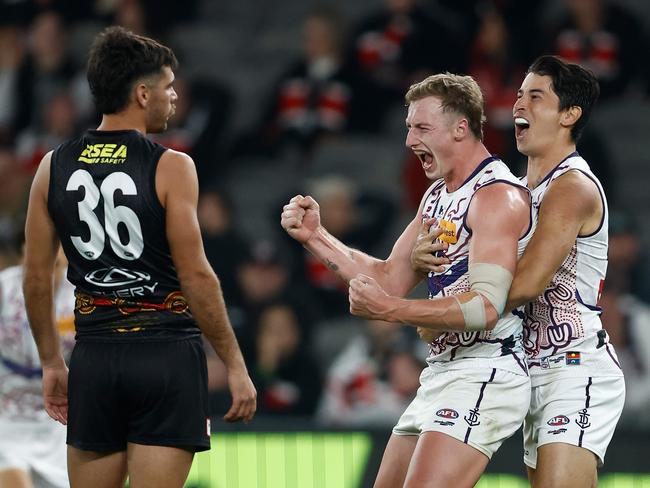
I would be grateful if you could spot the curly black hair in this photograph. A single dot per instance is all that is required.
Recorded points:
(117, 59)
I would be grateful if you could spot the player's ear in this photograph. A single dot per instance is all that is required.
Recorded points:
(461, 129)
(570, 116)
(141, 94)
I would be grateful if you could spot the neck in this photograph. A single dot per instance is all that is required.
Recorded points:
(125, 120)
(541, 165)
(463, 163)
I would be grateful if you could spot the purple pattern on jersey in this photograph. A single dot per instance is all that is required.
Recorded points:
(438, 282)
(454, 340)
(553, 321)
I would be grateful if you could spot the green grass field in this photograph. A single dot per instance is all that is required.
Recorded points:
(317, 460)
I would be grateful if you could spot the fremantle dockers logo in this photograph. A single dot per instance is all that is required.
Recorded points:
(114, 277)
(472, 418)
(583, 420)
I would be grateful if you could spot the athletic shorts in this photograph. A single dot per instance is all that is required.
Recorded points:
(151, 393)
(581, 411)
(481, 407)
(35, 447)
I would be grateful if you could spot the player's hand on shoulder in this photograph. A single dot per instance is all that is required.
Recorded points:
(424, 256)
(300, 217)
(244, 397)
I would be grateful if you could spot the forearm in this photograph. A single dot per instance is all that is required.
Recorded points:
(526, 287)
(40, 313)
(441, 314)
(203, 293)
(343, 260)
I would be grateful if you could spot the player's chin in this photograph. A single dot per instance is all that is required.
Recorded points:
(157, 128)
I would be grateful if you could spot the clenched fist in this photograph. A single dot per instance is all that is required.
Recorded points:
(301, 218)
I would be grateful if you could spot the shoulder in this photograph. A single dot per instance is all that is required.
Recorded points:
(176, 162)
(502, 202)
(176, 174)
(501, 192)
(42, 177)
(572, 186)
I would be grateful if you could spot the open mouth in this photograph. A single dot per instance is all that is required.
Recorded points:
(426, 158)
(521, 126)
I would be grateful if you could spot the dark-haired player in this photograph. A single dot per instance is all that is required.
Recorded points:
(578, 388)
(124, 210)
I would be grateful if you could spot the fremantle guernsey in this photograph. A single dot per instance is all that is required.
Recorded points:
(21, 385)
(450, 210)
(562, 327)
(103, 201)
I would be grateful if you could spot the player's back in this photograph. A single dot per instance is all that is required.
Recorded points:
(103, 201)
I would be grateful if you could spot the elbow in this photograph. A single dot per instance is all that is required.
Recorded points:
(197, 277)
(524, 293)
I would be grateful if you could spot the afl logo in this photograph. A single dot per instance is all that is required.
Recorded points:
(114, 277)
(447, 413)
(558, 420)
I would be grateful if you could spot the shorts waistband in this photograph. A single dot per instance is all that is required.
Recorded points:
(562, 360)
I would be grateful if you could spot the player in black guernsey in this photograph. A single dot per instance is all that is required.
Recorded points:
(124, 210)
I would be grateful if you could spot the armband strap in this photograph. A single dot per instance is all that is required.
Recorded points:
(490, 281)
(474, 313)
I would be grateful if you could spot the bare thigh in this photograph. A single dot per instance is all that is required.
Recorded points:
(157, 466)
(441, 461)
(96, 469)
(561, 465)
(15, 478)
(396, 460)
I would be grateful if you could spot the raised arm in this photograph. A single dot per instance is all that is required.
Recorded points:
(41, 246)
(177, 188)
(301, 219)
(571, 207)
(492, 262)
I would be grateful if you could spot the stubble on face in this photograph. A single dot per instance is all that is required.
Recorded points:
(161, 106)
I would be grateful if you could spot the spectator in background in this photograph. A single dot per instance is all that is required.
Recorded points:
(353, 216)
(46, 70)
(372, 381)
(629, 261)
(603, 36)
(60, 123)
(11, 55)
(497, 70)
(287, 379)
(225, 249)
(315, 97)
(14, 188)
(402, 42)
(202, 112)
(627, 320)
(265, 277)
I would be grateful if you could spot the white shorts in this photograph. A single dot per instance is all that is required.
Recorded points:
(581, 411)
(481, 407)
(37, 448)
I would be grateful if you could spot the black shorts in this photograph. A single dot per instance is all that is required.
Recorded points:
(152, 393)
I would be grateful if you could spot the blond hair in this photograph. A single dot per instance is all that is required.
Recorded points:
(457, 93)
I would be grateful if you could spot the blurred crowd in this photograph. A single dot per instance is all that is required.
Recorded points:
(321, 112)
